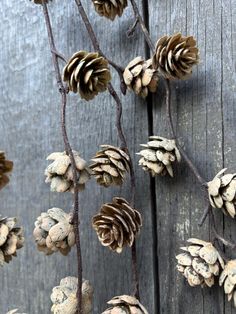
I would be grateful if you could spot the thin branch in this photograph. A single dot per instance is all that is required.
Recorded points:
(188, 161)
(63, 92)
(96, 45)
(142, 25)
(120, 131)
(227, 243)
(132, 28)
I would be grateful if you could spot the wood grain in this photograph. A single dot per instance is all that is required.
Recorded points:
(204, 115)
(30, 130)
(201, 107)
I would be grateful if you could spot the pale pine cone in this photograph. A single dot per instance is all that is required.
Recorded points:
(54, 232)
(87, 73)
(64, 297)
(125, 304)
(60, 175)
(117, 224)
(110, 166)
(158, 156)
(200, 263)
(110, 8)
(228, 278)
(140, 77)
(175, 56)
(5, 167)
(11, 239)
(222, 192)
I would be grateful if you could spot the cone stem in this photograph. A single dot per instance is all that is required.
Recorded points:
(68, 149)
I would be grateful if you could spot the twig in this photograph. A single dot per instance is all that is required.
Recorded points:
(96, 45)
(142, 25)
(120, 131)
(184, 155)
(132, 28)
(63, 92)
(204, 216)
(227, 243)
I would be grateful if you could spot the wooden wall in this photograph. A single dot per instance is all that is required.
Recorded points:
(205, 115)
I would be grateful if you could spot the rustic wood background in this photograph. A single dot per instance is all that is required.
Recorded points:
(205, 115)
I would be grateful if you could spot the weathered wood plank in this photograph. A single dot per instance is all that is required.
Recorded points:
(29, 127)
(199, 113)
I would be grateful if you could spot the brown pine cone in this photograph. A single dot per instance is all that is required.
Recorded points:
(158, 156)
(125, 304)
(64, 297)
(60, 175)
(6, 166)
(228, 277)
(140, 77)
(175, 56)
(11, 239)
(222, 192)
(110, 8)
(110, 166)
(87, 73)
(200, 263)
(117, 224)
(54, 232)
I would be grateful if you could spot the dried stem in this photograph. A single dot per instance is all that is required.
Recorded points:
(142, 25)
(63, 92)
(190, 164)
(96, 45)
(120, 131)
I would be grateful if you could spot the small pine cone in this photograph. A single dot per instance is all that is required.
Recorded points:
(158, 156)
(110, 166)
(54, 232)
(175, 56)
(125, 304)
(87, 73)
(60, 174)
(5, 167)
(222, 192)
(228, 277)
(199, 263)
(140, 77)
(110, 8)
(117, 224)
(11, 239)
(64, 297)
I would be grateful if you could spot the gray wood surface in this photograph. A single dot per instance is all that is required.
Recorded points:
(204, 113)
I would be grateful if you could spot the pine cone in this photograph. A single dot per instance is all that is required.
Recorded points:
(60, 175)
(117, 224)
(11, 239)
(54, 232)
(125, 304)
(87, 73)
(110, 166)
(200, 263)
(222, 192)
(5, 167)
(228, 277)
(140, 77)
(175, 56)
(110, 8)
(64, 297)
(158, 156)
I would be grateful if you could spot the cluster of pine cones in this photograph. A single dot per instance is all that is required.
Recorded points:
(201, 263)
